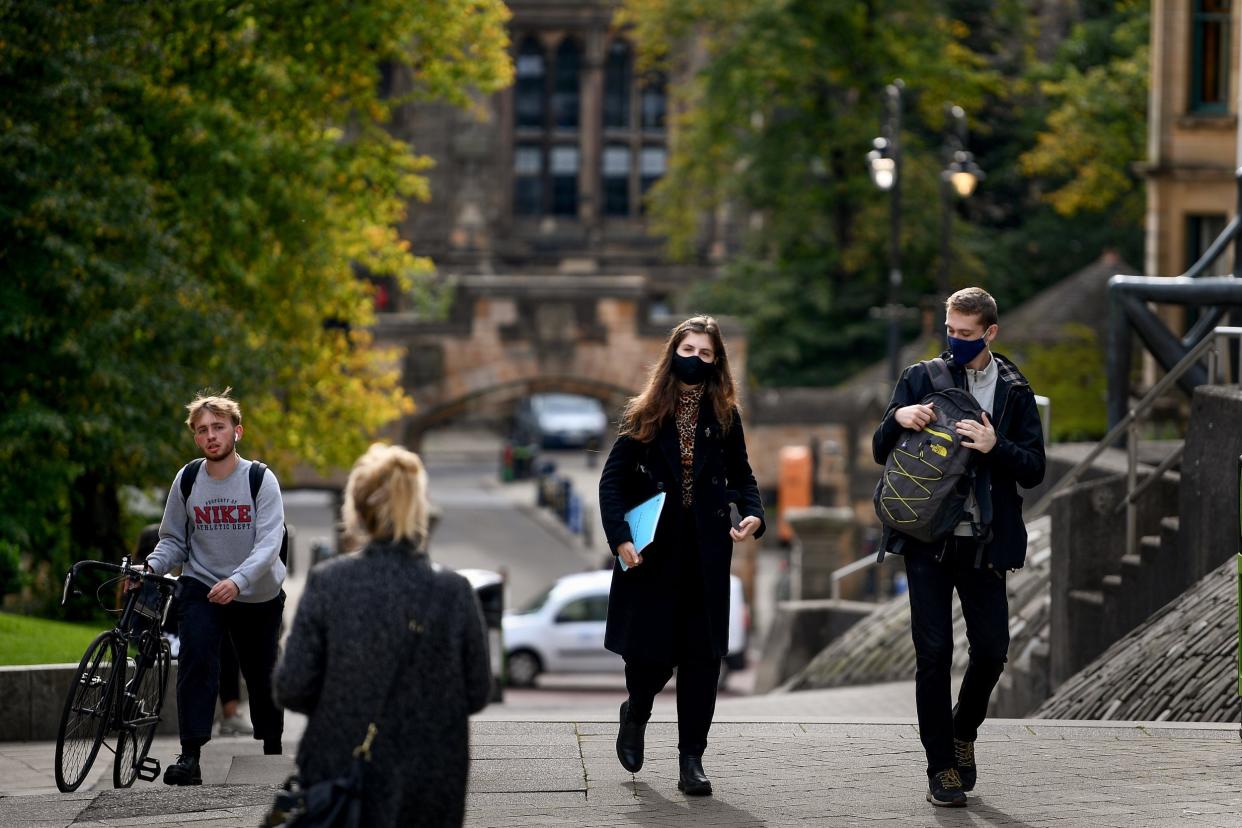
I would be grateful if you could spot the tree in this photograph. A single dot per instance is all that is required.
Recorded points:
(776, 115)
(777, 103)
(185, 191)
(1094, 135)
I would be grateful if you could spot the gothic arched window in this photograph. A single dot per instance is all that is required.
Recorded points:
(653, 102)
(530, 86)
(634, 154)
(618, 71)
(566, 85)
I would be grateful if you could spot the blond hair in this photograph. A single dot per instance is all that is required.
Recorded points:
(974, 301)
(221, 404)
(386, 497)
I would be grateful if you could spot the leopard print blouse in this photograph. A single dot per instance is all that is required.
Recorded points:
(687, 417)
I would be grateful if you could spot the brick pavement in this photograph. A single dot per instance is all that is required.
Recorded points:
(806, 771)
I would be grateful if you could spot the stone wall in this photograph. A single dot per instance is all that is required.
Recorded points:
(34, 699)
(800, 630)
(1209, 496)
(1088, 546)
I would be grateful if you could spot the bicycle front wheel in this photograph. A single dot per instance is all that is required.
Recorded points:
(88, 711)
(140, 713)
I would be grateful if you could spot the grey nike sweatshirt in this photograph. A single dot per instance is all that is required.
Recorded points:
(230, 536)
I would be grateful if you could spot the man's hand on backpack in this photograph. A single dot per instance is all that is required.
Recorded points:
(223, 592)
(915, 417)
(982, 436)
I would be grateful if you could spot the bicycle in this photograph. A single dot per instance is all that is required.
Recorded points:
(112, 692)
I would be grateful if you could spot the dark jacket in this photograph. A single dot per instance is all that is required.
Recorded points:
(642, 602)
(352, 629)
(1017, 459)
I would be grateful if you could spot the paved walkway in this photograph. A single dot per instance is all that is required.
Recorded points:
(770, 772)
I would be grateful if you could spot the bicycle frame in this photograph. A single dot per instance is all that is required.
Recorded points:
(124, 629)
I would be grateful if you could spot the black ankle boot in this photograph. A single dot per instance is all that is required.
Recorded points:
(630, 740)
(693, 781)
(185, 771)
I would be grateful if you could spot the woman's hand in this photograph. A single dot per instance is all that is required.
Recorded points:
(746, 528)
(629, 554)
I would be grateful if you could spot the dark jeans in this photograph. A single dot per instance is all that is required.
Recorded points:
(254, 630)
(986, 610)
(696, 696)
(230, 678)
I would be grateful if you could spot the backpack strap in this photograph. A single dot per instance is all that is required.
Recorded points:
(257, 470)
(189, 473)
(890, 541)
(938, 372)
(982, 531)
(255, 475)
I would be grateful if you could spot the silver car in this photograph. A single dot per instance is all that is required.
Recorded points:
(562, 630)
(560, 420)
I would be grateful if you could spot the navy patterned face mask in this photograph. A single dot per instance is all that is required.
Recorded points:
(964, 350)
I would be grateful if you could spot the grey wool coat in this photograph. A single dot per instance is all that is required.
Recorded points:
(352, 630)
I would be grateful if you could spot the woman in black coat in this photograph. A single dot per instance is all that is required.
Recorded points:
(351, 658)
(682, 436)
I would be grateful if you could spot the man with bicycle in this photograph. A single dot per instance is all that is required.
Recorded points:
(228, 546)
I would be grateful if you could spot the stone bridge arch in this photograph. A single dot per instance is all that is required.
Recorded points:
(507, 337)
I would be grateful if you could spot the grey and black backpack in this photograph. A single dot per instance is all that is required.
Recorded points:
(929, 474)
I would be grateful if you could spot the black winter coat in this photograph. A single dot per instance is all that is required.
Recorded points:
(352, 630)
(1017, 459)
(642, 602)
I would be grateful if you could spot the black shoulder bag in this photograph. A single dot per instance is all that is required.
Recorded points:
(337, 803)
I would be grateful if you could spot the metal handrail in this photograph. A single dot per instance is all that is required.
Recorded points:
(1207, 344)
(1211, 346)
(848, 570)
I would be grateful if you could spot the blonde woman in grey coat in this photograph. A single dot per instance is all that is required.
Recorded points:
(353, 630)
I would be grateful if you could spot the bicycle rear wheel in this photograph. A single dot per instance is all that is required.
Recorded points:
(88, 711)
(141, 715)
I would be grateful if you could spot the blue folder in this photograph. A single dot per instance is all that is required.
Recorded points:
(642, 520)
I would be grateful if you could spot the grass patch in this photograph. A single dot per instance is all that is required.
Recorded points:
(27, 640)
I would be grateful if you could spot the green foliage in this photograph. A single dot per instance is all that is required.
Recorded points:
(1070, 373)
(777, 122)
(25, 640)
(185, 189)
(1096, 132)
(10, 568)
(779, 101)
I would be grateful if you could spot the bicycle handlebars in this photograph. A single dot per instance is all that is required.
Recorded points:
(124, 568)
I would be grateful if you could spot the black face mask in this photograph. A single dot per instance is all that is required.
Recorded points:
(690, 369)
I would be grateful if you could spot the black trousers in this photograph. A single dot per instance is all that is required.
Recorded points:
(254, 630)
(985, 607)
(230, 672)
(696, 696)
(698, 673)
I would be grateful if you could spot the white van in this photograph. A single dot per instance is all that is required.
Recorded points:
(562, 630)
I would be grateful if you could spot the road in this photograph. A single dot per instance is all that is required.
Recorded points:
(484, 524)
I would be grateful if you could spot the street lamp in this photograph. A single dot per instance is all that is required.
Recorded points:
(884, 163)
(959, 178)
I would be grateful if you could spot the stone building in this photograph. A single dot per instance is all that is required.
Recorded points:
(548, 176)
(537, 219)
(1192, 131)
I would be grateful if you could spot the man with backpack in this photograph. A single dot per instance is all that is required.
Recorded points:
(983, 536)
(224, 525)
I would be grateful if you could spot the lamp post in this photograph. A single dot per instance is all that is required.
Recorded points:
(884, 163)
(958, 178)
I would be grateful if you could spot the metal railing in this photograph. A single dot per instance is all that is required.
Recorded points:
(1215, 348)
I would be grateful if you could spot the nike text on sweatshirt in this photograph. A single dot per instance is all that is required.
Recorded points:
(229, 535)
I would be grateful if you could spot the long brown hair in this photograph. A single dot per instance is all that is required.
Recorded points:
(645, 413)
